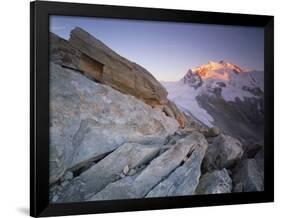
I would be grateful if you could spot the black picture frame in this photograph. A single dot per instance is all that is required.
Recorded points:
(39, 107)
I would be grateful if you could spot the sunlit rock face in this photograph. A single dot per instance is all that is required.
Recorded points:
(88, 55)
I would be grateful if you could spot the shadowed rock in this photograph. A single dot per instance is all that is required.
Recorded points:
(248, 177)
(259, 157)
(224, 152)
(211, 132)
(215, 182)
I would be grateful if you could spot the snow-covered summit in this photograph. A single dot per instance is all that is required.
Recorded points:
(226, 79)
(206, 70)
(222, 79)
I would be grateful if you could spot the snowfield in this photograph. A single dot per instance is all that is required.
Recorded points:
(185, 97)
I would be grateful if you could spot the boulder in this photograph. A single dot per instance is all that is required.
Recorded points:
(184, 180)
(116, 71)
(248, 177)
(224, 152)
(215, 182)
(157, 170)
(88, 120)
(129, 155)
(211, 132)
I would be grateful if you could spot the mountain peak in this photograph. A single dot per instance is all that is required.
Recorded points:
(213, 65)
(216, 70)
(221, 70)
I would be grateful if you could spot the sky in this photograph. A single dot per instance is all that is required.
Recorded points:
(168, 49)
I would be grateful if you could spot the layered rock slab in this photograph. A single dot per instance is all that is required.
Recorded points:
(108, 170)
(184, 180)
(118, 72)
(156, 171)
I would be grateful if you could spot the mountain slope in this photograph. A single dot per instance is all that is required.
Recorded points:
(225, 95)
(108, 144)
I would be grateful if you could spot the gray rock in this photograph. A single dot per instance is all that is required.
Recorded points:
(117, 71)
(238, 187)
(157, 170)
(215, 182)
(188, 130)
(74, 193)
(106, 66)
(168, 161)
(88, 120)
(108, 170)
(193, 79)
(62, 53)
(132, 172)
(248, 175)
(242, 119)
(250, 150)
(68, 175)
(64, 183)
(126, 170)
(259, 157)
(121, 189)
(212, 132)
(55, 198)
(224, 152)
(184, 180)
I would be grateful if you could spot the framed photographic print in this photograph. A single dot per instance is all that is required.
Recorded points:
(141, 109)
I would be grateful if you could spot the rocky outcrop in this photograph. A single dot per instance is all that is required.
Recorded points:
(88, 55)
(184, 180)
(193, 79)
(115, 135)
(160, 168)
(108, 170)
(259, 157)
(89, 120)
(248, 177)
(170, 109)
(62, 53)
(228, 115)
(224, 152)
(211, 132)
(118, 72)
(215, 182)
